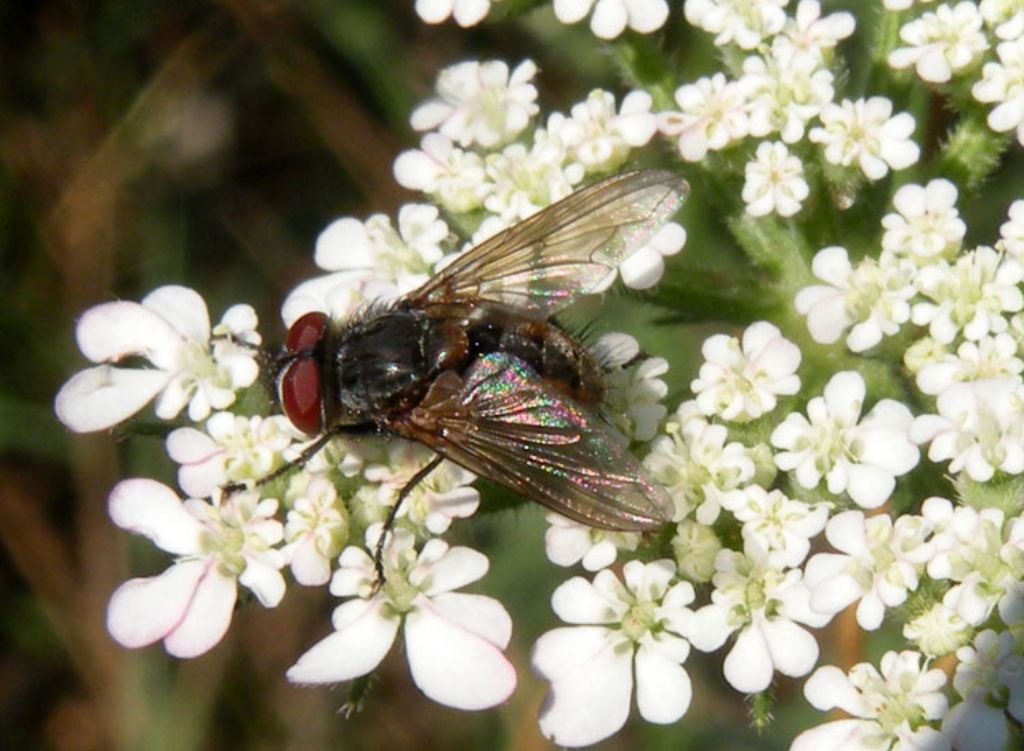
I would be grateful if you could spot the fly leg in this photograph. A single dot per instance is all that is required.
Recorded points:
(378, 552)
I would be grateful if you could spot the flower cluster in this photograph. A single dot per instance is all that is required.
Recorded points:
(856, 441)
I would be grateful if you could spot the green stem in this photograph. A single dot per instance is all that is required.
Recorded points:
(972, 151)
(644, 65)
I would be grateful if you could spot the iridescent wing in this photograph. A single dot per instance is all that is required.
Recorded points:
(543, 263)
(505, 424)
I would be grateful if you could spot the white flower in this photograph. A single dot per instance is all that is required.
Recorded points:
(597, 137)
(442, 496)
(928, 226)
(232, 449)
(171, 329)
(644, 268)
(453, 641)
(1005, 16)
(465, 12)
(970, 296)
(807, 33)
(745, 23)
(872, 300)
(879, 563)
(943, 42)
(765, 604)
(742, 382)
(628, 632)
(861, 457)
(991, 357)
(525, 181)
(1002, 84)
(776, 526)
(612, 16)
(990, 678)
(774, 182)
(340, 295)
(697, 467)
(712, 115)
(634, 395)
(865, 132)
(454, 178)
(983, 553)
(567, 543)
(1011, 233)
(220, 545)
(938, 630)
(695, 546)
(784, 92)
(892, 706)
(405, 256)
(480, 103)
(316, 529)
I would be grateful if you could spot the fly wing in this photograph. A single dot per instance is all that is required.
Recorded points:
(502, 422)
(566, 250)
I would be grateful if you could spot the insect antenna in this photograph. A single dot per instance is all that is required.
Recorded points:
(378, 552)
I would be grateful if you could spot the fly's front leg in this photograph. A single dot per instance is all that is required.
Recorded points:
(389, 523)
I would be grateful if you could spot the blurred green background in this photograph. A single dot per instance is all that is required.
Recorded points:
(207, 144)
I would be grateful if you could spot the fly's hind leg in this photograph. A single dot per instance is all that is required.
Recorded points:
(378, 552)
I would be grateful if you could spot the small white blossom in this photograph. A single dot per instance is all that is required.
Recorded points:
(970, 296)
(190, 365)
(465, 12)
(990, 678)
(765, 605)
(316, 528)
(743, 381)
(938, 630)
(480, 103)
(871, 299)
(644, 268)
(712, 115)
(453, 641)
(220, 545)
(878, 563)
(634, 397)
(611, 17)
(927, 225)
(991, 357)
(807, 33)
(1006, 17)
(526, 180)
(695, 546)
(456, 179)
(1002, 84)
(627, 632)
(697, 467)
(1011, 233)
(567, 543)
(340, 295)
(745, 23)
(406, 255)
(442, 496)
(892, 706)
(860, 457)
(774, 182)
(943, 42)
(924, 352)
(784, 93)
(978, 427)
(866, 133)
(981, 551)
(231, 449)
(597, 137)
(776, 526)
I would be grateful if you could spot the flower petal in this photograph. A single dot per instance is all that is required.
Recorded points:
(452, 664)
(150, 508)
(484, 616)
(207, 618)
(663, 688)
(748, 666)
(99, 398)
(143, 611)
(363, 636)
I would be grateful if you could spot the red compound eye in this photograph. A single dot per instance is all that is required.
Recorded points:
(306, 332)
(301, 396)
